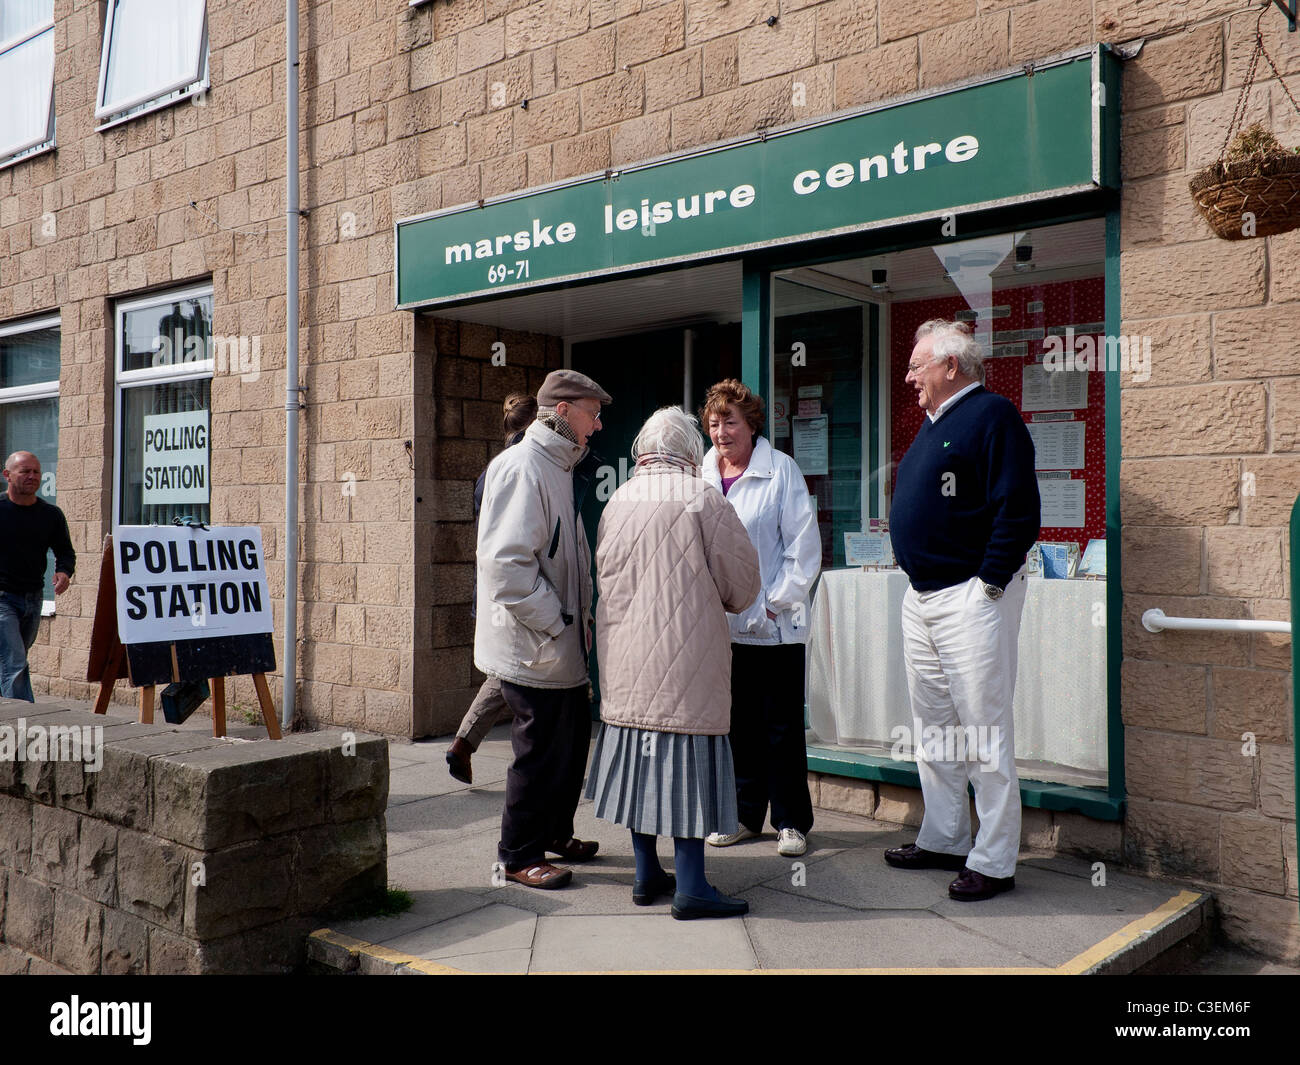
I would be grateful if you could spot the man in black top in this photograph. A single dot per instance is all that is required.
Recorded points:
(29, 528)
(965, 512)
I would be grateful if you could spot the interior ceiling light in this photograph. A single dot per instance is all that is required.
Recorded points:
(1024, 258)
(879, 282)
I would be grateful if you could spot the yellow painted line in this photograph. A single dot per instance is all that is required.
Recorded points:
(1131, 932)
(1080, 963)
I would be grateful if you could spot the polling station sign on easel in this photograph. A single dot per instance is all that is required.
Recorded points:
(184, 604)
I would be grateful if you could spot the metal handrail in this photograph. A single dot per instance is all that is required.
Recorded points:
(1156, 620)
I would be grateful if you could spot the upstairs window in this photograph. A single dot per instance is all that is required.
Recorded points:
(155, 52)
(26, 78)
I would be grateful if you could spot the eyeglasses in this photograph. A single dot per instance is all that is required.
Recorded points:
(593, 415)
(914, 368)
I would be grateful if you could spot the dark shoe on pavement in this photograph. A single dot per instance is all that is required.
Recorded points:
(975, 887)
(458, 756)
(913, 857)
(688, 907)
(644, 892)
(541, 875)
(575, 850)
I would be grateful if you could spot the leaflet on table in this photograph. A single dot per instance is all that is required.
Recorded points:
(1093, 563)
(868, 549)
(1059, 559)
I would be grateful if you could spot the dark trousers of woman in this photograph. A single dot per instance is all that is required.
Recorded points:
(767, 735)
(550, 737)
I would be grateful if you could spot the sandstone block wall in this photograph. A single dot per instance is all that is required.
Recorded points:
(183, 853)
(408, 110)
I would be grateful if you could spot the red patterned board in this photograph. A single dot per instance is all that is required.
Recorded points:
(1065, 303)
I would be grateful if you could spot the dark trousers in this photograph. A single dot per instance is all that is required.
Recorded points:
(767, 735)
(550, 737)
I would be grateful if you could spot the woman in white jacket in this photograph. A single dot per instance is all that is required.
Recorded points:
(771, 497)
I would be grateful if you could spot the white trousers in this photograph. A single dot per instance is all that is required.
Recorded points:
(959, 648)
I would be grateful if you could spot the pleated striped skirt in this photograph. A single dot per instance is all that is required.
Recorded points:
(663, 783)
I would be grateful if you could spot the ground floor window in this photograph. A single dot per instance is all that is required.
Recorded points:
(164, 386)
(29, 404)
(842, 335)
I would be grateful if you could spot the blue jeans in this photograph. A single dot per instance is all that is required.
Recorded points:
(20, 617)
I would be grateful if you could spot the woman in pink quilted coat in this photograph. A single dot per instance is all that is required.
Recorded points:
(672, 558)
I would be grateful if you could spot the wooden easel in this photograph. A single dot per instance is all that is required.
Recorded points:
(110, 660)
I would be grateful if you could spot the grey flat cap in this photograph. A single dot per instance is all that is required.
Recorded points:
(568, 385)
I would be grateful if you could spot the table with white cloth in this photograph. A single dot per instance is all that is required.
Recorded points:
(857, 682)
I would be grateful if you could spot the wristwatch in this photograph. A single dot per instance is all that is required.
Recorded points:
(992, 591)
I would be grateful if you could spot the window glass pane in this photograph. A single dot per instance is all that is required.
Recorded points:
(33, 425)
(26, 89)
(164, 453)
(19, 17)
(29, 358)
(820, 342)
(156, 47)
(170, 334)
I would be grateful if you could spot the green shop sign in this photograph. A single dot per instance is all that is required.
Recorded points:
(1042, 132)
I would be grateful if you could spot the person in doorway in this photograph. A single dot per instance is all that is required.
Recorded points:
(30, 528)
(533, 629)
(771, 497)
(671, 559)
(964, 515)
(517, 414)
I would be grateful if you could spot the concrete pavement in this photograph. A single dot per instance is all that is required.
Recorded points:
(838, 908)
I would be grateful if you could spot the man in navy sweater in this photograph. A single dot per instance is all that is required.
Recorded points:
(964, 514)
(29, 529)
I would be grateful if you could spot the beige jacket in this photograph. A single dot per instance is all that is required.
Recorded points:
(534, 566)
(672, 558)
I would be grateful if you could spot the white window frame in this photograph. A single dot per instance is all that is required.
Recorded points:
(157, 98)
(149, 375)
(38, 390)
(44, 143)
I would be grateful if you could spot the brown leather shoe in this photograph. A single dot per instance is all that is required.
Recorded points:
(458, 756)
(913, 857)
(975, 887)
(542, 875)
(575, 850)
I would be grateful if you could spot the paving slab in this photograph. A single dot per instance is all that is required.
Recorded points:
(489, 928)
(428, 908)
(656, 942)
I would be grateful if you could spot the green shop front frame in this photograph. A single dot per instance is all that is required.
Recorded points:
(1037, 145)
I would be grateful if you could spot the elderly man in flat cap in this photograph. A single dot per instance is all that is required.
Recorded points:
(533, 626)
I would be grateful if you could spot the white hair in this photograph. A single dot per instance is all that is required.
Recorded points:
(670, 431)
(954, 338)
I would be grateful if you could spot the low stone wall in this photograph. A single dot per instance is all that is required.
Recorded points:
(158, 850)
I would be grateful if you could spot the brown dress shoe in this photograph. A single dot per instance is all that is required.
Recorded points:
(975, 887)
(913, 857)
(458, 756)
(574, 850)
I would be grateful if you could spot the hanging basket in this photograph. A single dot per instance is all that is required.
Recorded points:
(1265, 186)
(1253, 188)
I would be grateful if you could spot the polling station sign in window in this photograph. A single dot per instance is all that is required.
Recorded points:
(187, 583)
(175, 458)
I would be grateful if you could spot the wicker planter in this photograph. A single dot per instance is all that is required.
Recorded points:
(1267, 186)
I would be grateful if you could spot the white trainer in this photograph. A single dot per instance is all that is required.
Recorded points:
(790, 843)
(721, 839)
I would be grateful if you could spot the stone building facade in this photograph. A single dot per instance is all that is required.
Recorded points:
(409, 109)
